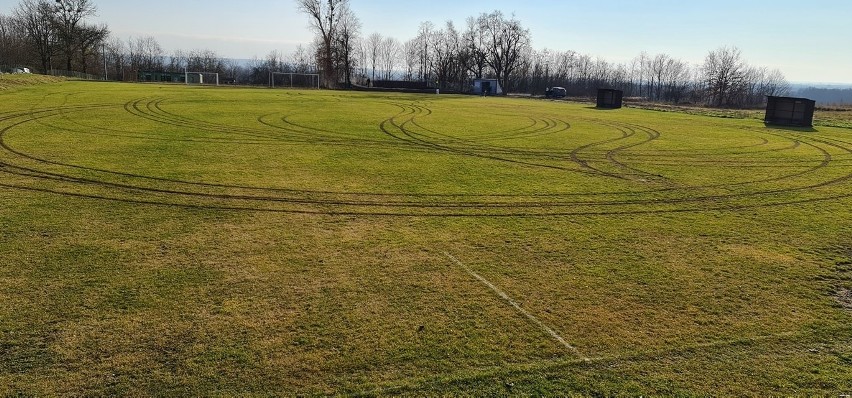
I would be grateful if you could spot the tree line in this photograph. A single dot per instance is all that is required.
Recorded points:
(57, 34)
(51, 34)
(493, 45)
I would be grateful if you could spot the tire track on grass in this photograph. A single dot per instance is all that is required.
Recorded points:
(366, 203)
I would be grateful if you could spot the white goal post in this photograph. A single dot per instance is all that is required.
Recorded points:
(201, 78)
(311, 80)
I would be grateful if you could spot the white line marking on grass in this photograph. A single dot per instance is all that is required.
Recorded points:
(518, 307)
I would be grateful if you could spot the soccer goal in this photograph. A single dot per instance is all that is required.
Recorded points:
(294, 80)
(202, 78)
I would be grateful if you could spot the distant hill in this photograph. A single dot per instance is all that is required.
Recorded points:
(825, 95)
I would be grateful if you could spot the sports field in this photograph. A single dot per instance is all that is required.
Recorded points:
(172, 240)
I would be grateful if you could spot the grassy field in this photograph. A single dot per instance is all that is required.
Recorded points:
(170, 240)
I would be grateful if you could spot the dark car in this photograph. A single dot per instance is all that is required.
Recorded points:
(555, 92)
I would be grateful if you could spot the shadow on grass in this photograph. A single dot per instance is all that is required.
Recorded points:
(790, 128)
(602, 109)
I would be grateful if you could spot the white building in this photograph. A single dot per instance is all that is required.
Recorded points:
(487, 87)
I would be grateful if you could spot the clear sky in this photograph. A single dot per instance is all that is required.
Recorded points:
(808, 40)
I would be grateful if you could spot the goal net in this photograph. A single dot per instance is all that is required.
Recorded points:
(294, 80)
(202, 78)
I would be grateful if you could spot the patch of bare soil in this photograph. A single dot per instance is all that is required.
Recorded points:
(844, 297)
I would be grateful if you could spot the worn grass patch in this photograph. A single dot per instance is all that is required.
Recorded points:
(168, 240)
(16, 81)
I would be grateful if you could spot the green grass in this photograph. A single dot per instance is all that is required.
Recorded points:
(170, 240)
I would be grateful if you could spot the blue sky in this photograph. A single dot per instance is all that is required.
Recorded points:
(810, 41)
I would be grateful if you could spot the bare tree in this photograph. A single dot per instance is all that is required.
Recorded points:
(90, 39)
(775, 84)
(274, 62)
(205, 61)
(659, 71)
(232, 71)
(7, 27)
(675, 80)
(373, 47)
(324, 16)
(423, 35)
(362, 63)
(724, 70)
(68, 16)
(389, 55)
(641, 66)
(474, 48)
(116, 53)
(36, 19)
(12, 41)
(302, 61)
(506, 43)
(177, 61)
(349, 29)
(145, 54)
(540, 72)
(411, 58)
(445, 46)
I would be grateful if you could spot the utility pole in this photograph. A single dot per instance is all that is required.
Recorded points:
(103, 52)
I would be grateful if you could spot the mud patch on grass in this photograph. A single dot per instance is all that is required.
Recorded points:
(844, 297)
(843, 272)
(760, 254)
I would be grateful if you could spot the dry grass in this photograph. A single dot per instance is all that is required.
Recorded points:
(17, 81)
(833, 116)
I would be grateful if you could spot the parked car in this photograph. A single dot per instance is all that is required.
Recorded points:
(21, 70)
(555, 92)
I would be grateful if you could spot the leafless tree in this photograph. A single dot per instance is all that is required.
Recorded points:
(539, 78)
(205, 60)
(349, 29)
(90, 39)
(506, 43)
(145, 54)
(674, 80)
(274, 62)
(302, 60)
(473, 55)
(411, 58)
(177, 61)
(389, 55)
(640, 66)
(724, 71)
(68, 16)
(117, 59)
(232, 71)
(14, 44)
(445, 47)
(35, 17)
(324, 16)
(373, 46)
(424, 60)
(775, 84)
(362, 61)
